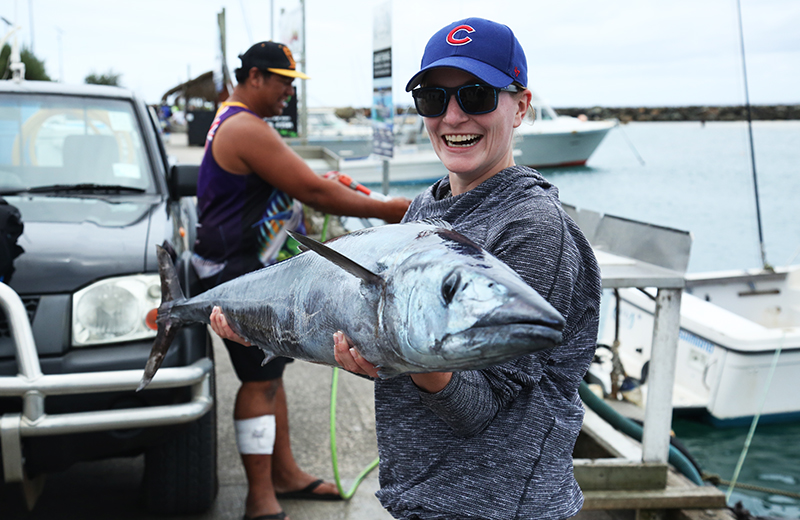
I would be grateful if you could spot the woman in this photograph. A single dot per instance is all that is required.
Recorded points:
(494, 443)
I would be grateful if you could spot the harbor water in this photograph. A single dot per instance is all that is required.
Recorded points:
(698, 177)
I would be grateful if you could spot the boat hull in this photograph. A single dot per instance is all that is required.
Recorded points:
(549, 144)
(725, 356)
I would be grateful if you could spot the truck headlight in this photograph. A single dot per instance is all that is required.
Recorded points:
(115, 310)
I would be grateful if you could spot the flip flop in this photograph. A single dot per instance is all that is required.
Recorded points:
(276, 516)
(307, 493)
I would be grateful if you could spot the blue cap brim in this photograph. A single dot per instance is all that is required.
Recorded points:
(479, 69)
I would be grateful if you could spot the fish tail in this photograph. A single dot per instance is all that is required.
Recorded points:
(168, 324)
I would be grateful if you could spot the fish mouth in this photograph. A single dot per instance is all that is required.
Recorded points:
(495, 344)
(481, 347)
(509, 332)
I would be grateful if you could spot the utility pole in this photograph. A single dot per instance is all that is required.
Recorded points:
(304, 104)
(30, 17)
(60, 32)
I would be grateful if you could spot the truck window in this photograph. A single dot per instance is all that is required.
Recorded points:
(63, 140)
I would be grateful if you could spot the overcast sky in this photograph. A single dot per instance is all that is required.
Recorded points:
(580, 53)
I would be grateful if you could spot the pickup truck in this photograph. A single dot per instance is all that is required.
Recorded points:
(87, 169)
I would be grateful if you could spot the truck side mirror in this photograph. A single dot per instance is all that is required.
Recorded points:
(182, 180)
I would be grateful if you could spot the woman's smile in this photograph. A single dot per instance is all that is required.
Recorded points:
(462, 140)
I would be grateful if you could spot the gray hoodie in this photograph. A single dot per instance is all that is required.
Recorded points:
(497, 443)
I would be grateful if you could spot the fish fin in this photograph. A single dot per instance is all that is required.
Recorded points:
(170, 286)
(387, 373)
(339, 259)
(167, 325)
(166, 333)
(267, 357)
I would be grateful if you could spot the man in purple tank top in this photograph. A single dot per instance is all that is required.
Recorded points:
(248, 190)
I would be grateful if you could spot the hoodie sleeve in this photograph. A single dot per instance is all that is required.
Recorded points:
(471, 399)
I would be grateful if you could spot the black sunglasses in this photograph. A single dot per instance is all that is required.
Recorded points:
(473, 99)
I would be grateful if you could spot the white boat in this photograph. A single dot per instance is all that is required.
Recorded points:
(732, 324)
(553, 140)
(326, 129)
(409, 165)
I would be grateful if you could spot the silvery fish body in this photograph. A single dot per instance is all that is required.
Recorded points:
(414, 297)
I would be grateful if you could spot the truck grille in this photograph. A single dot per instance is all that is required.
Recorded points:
(30, 306)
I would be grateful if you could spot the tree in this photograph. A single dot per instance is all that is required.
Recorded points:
(110, 78)
(34, 67)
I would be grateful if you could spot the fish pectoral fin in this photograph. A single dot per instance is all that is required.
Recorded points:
(387, 373)
(268, 356)
(339, 259)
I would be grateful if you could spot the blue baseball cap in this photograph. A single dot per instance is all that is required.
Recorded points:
(485, 49)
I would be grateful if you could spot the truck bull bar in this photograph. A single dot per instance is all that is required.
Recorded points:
(34, 386)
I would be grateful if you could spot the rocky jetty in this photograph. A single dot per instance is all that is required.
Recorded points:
(690, 113)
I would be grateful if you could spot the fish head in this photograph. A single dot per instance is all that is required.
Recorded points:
(463, 312)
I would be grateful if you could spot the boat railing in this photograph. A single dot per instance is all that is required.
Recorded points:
(319, 158)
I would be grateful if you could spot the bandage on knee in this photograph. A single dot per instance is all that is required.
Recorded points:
(255, 436)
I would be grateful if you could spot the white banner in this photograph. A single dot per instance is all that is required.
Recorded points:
(290, 32)
(382, 104)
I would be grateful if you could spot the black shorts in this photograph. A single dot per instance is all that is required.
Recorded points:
(247, 363)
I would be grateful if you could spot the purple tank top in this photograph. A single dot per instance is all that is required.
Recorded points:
(239, 216)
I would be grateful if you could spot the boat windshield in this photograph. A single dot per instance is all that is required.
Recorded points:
(324, 120)
(544, 112)
(70, 141)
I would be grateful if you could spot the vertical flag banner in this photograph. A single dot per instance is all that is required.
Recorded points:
(290, 31)
(382, 104)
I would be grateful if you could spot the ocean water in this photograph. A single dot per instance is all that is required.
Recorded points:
(699, 178)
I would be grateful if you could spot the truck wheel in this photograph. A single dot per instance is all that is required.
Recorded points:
(180, 475)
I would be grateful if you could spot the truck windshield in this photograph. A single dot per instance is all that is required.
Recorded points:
(69, 140)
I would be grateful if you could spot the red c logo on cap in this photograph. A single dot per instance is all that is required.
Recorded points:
(451, 39)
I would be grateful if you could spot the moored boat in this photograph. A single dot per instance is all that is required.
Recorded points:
(554, 140)
(739, 344)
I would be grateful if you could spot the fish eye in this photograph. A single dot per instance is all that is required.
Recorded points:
(450, 286)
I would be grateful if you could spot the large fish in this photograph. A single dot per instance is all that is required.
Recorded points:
(414, 297)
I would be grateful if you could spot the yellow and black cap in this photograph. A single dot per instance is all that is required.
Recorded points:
(272, 57)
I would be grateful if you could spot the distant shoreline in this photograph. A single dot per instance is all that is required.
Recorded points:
(688, 113)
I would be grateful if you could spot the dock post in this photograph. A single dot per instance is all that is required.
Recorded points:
(385, 182)
(658, 410)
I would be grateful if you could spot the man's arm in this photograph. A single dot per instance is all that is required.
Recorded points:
(246, 144)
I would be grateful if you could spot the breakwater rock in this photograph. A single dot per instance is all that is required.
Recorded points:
(690, 113)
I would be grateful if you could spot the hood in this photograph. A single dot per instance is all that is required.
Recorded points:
(72, 241)
(514, 178)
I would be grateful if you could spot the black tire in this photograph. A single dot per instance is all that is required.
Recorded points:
(180, 474)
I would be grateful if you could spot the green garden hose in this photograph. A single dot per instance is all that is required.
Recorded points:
(347, 495)
(631, 429)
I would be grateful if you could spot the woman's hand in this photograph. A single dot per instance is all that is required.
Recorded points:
(349, 358)
(220, 325)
